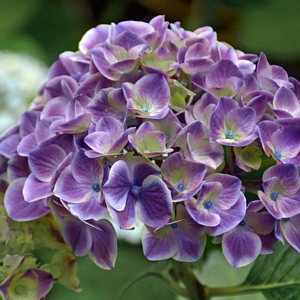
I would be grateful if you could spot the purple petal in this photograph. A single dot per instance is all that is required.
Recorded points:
(44, 160)
(86, 170)
(104, 247)
(290, 230)
(285, 99)
(17, 208)
(117, 188)
(158, 244)
(77, 125)
(27, 144)
(125, 219)
(68, 189)
(241, 246)
(154, 202)
(202, 215)
(35, 189)
(77, 235)
(229, 218)
(91, 209)
(17, 167)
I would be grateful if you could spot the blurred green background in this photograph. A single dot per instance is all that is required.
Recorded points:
(45, 28)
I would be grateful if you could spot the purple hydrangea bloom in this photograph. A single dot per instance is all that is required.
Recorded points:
(182, 239)
(224, 79)
(149, 97)
(254, 234)
(232, 125)
(220, 205)
(135, 184)
(281, 195)
(80, 186)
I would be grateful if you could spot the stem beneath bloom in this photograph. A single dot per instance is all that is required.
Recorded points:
(230, 160)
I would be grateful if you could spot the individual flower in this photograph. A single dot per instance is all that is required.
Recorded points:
(134, 187)
(232, 125)
(254, 234)
(245, 62)
(281, 196)
(181, 239)
(195, 58)
(194, 141)
(282, 142)
(114, 60)
(109, 138)
(149, 141)
(108, 102)
(271, 77)
(33, 284)
(248, 158)
(80, 186)
(220, 205)
(149, 97)
(185, 178)
(224, 79)
(202, 109)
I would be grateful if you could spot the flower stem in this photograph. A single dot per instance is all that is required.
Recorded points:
(230, 160)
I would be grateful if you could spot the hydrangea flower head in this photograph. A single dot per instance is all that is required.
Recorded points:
(152, 125)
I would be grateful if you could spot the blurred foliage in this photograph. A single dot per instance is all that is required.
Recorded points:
(45, 28)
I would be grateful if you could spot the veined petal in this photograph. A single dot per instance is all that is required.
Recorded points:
(69, 190)
(77, 235)
(86, 170)
(154, 202)
(241, 246)
(17, 208)
(104, 247)
(117, 188)
(43, 161)
(35, 189)
(158, 244)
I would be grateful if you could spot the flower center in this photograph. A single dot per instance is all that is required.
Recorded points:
(208, 204)
(145, 110)
(121, 117)
(247, 156)
(277, 154)
(274, 196)
(230, 134)
(242, 223)
(174, 225)
(135, 190)
(96, 187)
(181, 187)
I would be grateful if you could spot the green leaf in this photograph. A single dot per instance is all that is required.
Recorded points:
(217, 272)
(277, 275)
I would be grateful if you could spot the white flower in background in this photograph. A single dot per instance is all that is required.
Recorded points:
(20, 76)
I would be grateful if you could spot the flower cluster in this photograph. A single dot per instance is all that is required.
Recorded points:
(150, 123)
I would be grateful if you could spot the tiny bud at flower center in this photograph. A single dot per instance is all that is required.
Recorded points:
(135, 190)
(274, 196)
(277, 154)
(174, 225)
(230, 134)
(96, 187)
(208, 204)
(181, 187)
